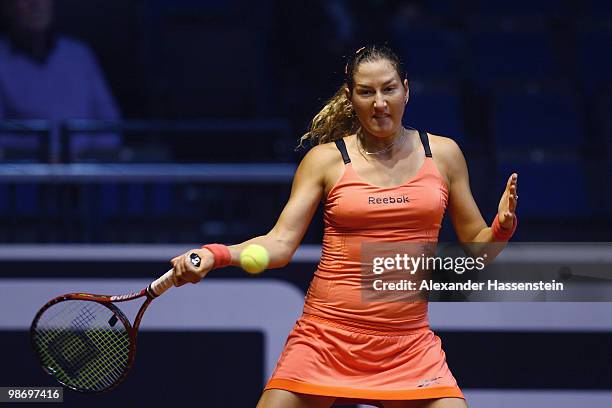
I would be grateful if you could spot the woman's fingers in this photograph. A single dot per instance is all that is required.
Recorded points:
(508, 202)
(511, 180)
(512, 192)
(184, 269)
(181, 272)
(178, 272)
(513, 199)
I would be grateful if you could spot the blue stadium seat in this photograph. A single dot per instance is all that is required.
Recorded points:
(4, 199)
(597, 7)
(109, 200)
(603, 122)
(202, 85)
(162, 199)
(437, 110)
(27, 199)
(210, 6)
(519, 7)
(608, 191)
(550, 188)
(498, 56)
(442, 7)
(209, 58)
(429, 52)
(526, 120)
(594, 62)
(606, 129)
(136, 199)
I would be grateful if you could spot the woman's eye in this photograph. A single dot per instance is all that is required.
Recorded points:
(390, 89)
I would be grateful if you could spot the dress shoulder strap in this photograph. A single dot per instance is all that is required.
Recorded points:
(342, 147)
(425, 141)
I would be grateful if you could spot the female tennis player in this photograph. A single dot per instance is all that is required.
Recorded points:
(378, 182)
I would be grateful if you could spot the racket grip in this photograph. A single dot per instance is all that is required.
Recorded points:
(162, 284)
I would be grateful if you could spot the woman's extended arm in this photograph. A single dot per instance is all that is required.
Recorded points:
(284, 238)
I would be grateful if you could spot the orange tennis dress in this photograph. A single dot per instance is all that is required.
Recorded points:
(367, 352)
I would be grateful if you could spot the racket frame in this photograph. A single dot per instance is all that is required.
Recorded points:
(155, 289)
(108, 302)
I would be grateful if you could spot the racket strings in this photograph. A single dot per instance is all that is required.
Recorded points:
(63, 363)
(81, 346)
(85, 352)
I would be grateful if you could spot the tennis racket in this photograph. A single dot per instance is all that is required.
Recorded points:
(86, 342)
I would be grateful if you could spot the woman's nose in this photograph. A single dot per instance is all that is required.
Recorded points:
(380, 102)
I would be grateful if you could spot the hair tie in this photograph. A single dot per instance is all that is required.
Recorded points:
(347, 64)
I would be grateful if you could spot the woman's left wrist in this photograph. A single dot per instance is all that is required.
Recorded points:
(501, 233)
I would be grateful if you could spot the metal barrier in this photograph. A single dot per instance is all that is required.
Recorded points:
(71, 127)
(272, 127)
(147, 173)
(40, 128)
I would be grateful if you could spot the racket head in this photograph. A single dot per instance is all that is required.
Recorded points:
(84, 341)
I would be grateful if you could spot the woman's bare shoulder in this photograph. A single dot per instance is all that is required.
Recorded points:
(324, 162)
(444, 148)
(322, 154)
(448, 157)
(321, 159)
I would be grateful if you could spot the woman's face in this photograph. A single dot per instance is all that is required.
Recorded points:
(379, 97)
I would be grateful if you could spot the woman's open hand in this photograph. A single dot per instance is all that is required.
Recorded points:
(506, 211)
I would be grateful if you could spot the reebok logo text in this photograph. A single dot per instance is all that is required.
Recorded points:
(388, 200)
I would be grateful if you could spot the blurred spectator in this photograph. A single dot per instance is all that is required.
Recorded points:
(44, 75)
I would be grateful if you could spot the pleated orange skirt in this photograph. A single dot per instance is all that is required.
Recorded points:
(355, 365)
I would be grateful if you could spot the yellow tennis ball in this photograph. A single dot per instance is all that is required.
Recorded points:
(254, 258)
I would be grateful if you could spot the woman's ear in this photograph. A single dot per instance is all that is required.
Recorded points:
(347, 92)
(407, 91)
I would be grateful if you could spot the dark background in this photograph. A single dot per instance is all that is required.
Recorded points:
(522, 86)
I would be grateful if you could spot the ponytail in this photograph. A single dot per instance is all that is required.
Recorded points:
(336, 120)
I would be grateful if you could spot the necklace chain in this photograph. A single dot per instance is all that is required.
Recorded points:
(386, 149)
